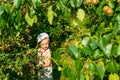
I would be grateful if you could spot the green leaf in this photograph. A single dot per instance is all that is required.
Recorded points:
(1, 70)
(72, 77)
(67, 12)
(108, 36)
(115, 31)
(60, 5)
(113, 67)
(78, 65)
(74, 23)
(72, 3)
(96, 54)
(117, 8)
(60, 50)
(19, 16)
(73, 51)
(85, 41)
(1, 10)
(82, 77)
(36, 3)
(80, 14)
(2, 76)
(102, 43)
(118, 50)
(78, 3)
(87, 50)
(64, 1)
(100, 30)
(16, 3)
(93, 44)
(35, 19)
(91, 67)
(32, 12)
(2, 23)
(114, 50)
(111, 4)
(99, 9)
(50, 15)
(108, 49)
(60, 68)
(118, 17)
(29, 20)
(67, 71)
(100, 71)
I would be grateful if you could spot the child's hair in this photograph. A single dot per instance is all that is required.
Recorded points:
(42, 36)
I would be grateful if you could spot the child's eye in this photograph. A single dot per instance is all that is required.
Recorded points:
(45, 44)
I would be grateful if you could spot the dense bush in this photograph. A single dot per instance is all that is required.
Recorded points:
(93, 25)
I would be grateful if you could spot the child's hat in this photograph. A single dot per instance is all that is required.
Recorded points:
(42, 36)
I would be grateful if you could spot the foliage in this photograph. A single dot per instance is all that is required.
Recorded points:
(95, 56)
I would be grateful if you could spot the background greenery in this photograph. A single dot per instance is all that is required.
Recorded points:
(84, 38)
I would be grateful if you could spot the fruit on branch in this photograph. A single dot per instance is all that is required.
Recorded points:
(87, 2)
(94, 2)
(107, 10)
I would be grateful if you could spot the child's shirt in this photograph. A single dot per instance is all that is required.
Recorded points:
(47, 70)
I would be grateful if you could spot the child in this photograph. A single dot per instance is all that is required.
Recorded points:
(44, 54)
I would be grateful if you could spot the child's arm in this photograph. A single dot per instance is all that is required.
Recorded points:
(39, 56)
(47, 60)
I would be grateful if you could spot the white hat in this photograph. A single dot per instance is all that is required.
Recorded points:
(42, 36)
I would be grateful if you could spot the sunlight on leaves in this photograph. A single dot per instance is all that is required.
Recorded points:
(85, 41)
(50, 15)
(108, 49)
(29, 20)
(73, 50)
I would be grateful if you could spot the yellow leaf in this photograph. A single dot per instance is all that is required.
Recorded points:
(113, 76)
(35, 19)
(50, 15)
(59, 68)
(87, 77)
(29, 20)
(80, 14)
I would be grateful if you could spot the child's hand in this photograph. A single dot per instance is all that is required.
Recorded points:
(39, 54)
(42, 51)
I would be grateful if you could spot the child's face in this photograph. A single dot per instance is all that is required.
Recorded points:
(45, 44)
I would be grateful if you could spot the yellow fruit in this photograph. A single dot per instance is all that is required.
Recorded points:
(87, 2)
(105, 8)
(95, 2)
(118, 1)
(108, 10)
